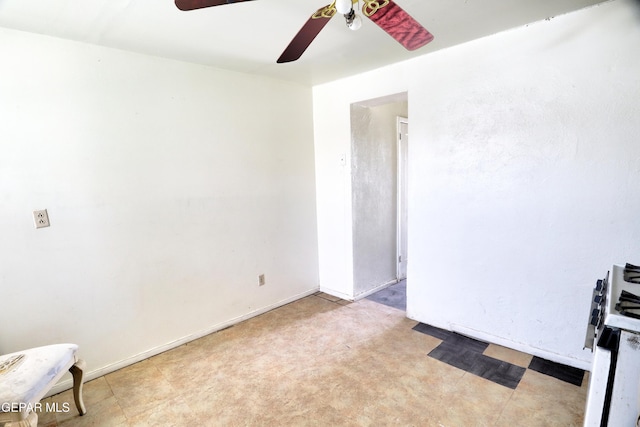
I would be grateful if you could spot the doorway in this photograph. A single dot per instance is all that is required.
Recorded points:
(379, 150)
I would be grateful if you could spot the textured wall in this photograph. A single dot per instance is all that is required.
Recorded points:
(527, 153)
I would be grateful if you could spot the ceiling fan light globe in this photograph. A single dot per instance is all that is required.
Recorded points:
(356, 23)
(343, 6)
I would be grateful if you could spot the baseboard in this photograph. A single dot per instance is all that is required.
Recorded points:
(558, 358)
(97, 373)
(336, 294)
(376, 289)
(359, 296)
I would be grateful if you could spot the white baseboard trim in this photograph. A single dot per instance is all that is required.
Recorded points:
(364, 294)
(97, 373)
(558, 358)
(336, 294)
(376, 289)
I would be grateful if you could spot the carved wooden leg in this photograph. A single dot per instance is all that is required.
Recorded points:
(77, 370)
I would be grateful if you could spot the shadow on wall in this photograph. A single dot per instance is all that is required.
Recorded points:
(637, 4)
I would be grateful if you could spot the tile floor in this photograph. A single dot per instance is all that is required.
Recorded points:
(320, 361)
(471, 356)
(393, 296)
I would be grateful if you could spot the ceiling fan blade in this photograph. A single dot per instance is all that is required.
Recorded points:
(199, 4)
(387, 15)
(307, 33)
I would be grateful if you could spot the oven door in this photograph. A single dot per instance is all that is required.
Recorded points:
(625, 404)
(614, 383)
(597, 400)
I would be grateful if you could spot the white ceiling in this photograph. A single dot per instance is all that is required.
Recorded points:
(250, 36)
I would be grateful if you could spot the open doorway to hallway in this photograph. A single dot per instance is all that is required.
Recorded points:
(396, 295)
(379, 156)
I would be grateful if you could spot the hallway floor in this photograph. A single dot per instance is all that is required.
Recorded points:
(321, 361)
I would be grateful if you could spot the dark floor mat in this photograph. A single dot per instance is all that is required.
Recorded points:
(467, 354)
(557, 370)
(442, 334)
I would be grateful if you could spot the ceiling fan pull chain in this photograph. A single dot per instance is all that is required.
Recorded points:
(372, 6)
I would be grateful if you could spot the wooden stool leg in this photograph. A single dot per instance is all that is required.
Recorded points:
(77, 370)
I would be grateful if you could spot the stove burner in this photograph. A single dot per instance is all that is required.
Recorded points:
(631, 273)
(628, 301)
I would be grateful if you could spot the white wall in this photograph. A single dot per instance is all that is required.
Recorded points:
(524, 170)
(170, 188)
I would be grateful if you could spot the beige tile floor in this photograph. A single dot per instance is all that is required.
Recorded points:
(318, 361)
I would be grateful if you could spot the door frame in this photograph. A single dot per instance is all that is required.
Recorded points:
(402, 198)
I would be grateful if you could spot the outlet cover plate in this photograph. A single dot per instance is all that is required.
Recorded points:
(41, 218)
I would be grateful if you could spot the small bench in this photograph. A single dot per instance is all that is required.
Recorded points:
(26, 377)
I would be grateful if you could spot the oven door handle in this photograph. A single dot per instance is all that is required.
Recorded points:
(610, 340)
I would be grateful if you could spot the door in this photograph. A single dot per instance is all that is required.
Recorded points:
(403, 155)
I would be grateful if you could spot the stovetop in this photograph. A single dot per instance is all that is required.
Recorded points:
(617, 284)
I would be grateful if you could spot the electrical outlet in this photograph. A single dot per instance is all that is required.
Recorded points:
(41, 218)
(261, 281)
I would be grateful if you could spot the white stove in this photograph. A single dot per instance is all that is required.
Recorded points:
(614, 336)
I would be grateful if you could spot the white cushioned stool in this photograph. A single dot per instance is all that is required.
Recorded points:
(26, 376)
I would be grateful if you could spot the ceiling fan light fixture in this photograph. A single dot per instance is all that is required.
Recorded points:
(344, 6)
(355, 23)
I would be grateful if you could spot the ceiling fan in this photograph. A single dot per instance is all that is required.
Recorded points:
(384, 13)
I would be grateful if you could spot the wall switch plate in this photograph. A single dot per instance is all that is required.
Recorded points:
(41, 218)
(261, 280)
